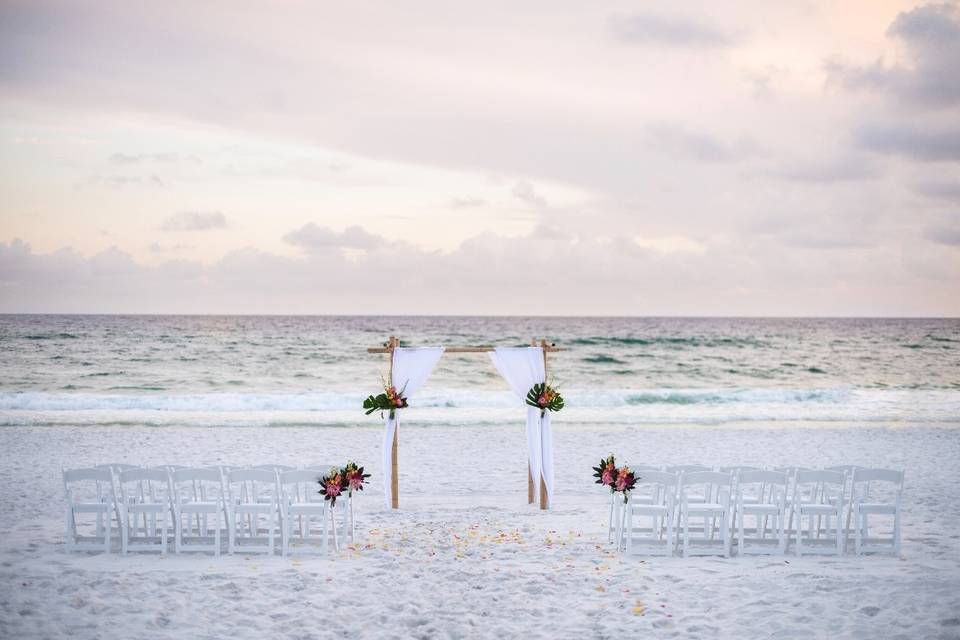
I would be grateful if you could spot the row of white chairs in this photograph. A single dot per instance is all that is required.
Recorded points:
(698, 509)
(252, 506)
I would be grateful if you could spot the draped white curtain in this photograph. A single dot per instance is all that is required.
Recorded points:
(411, 368)
(522, 367)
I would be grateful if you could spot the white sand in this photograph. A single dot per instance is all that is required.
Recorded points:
(466, 557)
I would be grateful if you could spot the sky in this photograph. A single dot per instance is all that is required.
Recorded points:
(537, 158)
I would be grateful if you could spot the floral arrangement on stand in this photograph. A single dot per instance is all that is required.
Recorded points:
(621, 480)
(390, 400)
(544, 397)
(340, 480)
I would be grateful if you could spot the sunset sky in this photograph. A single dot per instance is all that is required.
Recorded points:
(787, 158)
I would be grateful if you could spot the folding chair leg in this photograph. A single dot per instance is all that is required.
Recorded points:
(726, 535)
(896, 531)
(163, 535)
(71, 538)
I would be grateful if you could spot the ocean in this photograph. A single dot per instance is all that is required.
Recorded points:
(210, 371)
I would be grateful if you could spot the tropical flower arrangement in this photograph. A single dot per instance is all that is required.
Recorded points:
(354, 477)
(621, 480)
(390, 400)
(606, 472)
(544, 397)
(338, 481)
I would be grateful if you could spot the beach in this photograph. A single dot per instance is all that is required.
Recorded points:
(465, 556)
(429, 261)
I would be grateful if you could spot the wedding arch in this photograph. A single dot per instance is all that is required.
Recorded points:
(520, 367)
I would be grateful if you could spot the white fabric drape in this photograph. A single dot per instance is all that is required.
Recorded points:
(411, 368)
(522, 367)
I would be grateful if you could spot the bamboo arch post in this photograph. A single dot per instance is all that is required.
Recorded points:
(394, 475)
(389, 348)
(544, 498)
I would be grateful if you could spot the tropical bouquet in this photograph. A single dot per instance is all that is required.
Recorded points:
(606, 472)
(331, 485)
(626, 481)
(354, 477)
(621, 480)
(390, 400)
(544, 397)
(340, 480)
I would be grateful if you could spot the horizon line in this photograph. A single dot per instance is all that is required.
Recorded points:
(460, 315)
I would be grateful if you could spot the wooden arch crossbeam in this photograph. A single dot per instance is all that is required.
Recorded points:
(393, 343)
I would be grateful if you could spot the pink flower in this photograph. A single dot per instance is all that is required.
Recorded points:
(354, 479)
(333, 488)
(607, 477)
(621, 482)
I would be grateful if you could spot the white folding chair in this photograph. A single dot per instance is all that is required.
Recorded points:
(869, 487)
(617, 514)
(754, 495)
(679, 470)
(266, 493)
(88, 491)
(115, 468)
(655, 501)
(847, 471)
(706, 494)
(302, 503)
(791, 472)
(762, 495)
(251, 494)
(197, 492)
(818, 495)
(146, 493)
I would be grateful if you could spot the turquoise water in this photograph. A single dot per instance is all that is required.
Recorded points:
(211, 370)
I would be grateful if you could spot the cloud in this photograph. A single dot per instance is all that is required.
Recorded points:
(493, 274)
(122, 181)
(843, 169)
(943, 235)
(124, 159)
(693, 144)
(524, 191)
(162, 158)
(194, 221)
(466, 203)
(931, 36)
(919, 142)
(156, 247)
(648, 28)
(944, 230)
(313, 238)
(941, 189)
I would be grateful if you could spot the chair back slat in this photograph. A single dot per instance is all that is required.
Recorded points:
(687, 468)
(656, 477)
(716, 478)
(829, 477)
(252, 475)
(766, 477)
(300, 475)
(136, 475)
(80, 475)
(196, 473)
(877, 475)
(279, 468)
